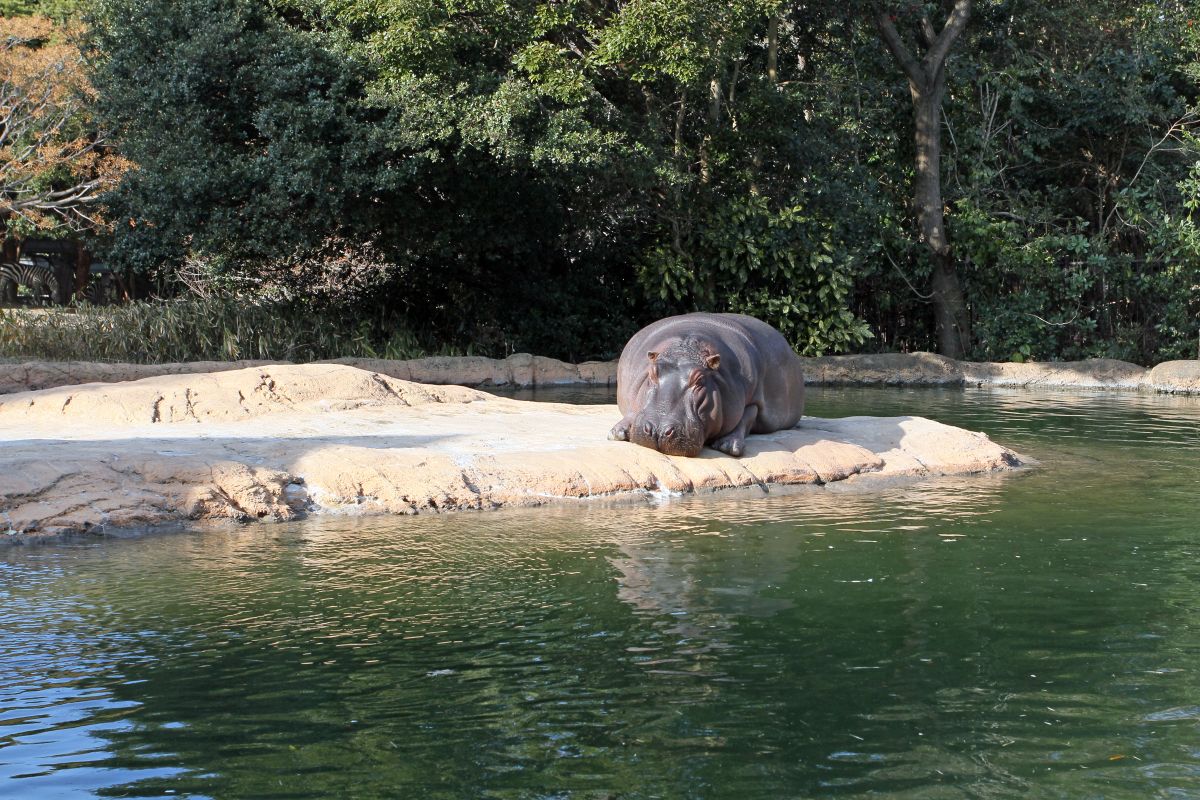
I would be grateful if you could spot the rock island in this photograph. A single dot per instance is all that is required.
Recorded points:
(277, 442)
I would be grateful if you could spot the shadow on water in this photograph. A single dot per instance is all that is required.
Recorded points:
(1029, 635)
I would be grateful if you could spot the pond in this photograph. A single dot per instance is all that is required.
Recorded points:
(1028, 635)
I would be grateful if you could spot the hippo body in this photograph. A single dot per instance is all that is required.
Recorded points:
(696, 379)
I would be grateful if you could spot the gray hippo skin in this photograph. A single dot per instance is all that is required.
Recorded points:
(696, 379)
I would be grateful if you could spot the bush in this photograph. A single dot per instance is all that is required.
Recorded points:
(781, 265)
(212, 329)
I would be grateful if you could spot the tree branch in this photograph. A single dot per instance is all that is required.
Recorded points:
(957, 21)
(1180, 125)
(895, 45)
(928, 34)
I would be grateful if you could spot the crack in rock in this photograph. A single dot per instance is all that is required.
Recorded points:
(191, 405)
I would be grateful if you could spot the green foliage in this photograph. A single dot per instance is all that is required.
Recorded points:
(402, 125)
(1070, 197)
(58, 10)
(686, 42)
(549, 176)
(773, 264)
(214, 329)
(243, 129)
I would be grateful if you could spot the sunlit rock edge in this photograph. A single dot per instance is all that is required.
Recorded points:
(524, 370)
(279, 442)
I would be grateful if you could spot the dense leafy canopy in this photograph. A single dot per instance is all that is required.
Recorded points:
(549, 175)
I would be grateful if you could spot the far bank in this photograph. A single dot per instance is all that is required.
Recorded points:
(523, 370)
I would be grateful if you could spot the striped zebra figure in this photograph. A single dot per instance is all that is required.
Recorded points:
(103, 289)
(41, 283)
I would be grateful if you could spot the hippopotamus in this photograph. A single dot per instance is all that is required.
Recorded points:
(696, 379)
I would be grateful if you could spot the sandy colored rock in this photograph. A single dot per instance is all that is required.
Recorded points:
(235, 394)
(1175, 377)
(524, 370)
(1095, 373)
(886, 369)
(928, 369)
(519, 369)
(278, 441)
(598, 373)
(34, 375)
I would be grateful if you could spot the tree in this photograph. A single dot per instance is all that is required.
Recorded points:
(55, 163)
(927, 85)
(548, 175)
(1066, 179)
(247, 135)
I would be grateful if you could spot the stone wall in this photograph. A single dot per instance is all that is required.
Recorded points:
(524, 370)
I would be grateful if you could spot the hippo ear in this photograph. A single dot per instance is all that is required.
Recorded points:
(712, 360)
(652, 373)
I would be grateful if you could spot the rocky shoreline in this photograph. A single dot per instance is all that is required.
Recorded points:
(524, 370)
(277, 442)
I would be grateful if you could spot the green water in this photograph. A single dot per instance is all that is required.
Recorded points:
(1033, 635)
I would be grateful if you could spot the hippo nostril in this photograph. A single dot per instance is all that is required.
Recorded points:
(669, 432)
(648, 429)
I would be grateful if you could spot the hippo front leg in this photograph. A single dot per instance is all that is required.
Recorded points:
(734, 442)
(620, 431)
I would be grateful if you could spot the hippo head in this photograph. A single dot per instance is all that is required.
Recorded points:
(682, 402)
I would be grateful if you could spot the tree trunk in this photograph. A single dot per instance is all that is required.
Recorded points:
(83, 270)
(927, 84)
(950, 309)
(773, 48)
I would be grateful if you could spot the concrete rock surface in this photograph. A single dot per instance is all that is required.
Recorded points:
(524, 370)
(519, 369)
(279, 441)
(1175, 377)
(885, 369)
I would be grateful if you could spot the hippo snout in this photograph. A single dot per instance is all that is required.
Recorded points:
(671, 438)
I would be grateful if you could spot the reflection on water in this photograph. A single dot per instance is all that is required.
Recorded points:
(1025, 635)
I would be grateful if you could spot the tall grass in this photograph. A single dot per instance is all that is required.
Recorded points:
(212, 329)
